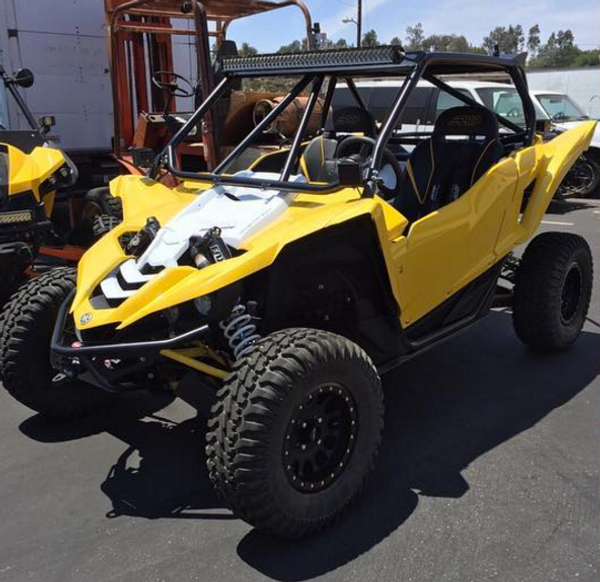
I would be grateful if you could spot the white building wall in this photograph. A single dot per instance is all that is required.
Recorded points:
(64, 44)
(582, 85)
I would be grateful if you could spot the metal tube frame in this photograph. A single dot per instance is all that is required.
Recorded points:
(468, 101)
(410, 82)
(268, 119)
(328, 99)
(292, 159)
(418, 72)
(166, 157)
(355, 93)
(123, 349)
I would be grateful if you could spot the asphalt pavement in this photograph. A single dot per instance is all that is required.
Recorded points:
(488, 471)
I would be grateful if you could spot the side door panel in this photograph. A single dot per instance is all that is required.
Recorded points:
(447, 249)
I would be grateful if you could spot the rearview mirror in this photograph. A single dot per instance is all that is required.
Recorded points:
(24, 78)
(349, 172)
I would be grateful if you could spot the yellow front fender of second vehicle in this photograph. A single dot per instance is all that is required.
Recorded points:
(28, 171)
(143, 198)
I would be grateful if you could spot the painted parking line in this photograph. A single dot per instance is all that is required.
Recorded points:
(557, 223)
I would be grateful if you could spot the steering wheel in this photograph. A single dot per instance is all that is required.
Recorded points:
(559, 115)
(514, 112)
(390, 173)
(167, 81)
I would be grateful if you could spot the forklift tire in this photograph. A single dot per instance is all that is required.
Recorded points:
(295, 431)
(553, 287)
(101, 201)
(100, 209)
(103, 224)
(25, 368)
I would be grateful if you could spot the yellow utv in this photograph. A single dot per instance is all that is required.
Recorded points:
(290, 287)
(31, 171)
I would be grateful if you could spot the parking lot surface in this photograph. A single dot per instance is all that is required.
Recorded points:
(488, 471)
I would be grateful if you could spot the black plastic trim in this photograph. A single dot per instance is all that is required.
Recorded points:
(125, 349)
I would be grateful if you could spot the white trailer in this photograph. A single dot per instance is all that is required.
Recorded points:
(64, 44)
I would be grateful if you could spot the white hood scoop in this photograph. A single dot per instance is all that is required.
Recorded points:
(239, 211)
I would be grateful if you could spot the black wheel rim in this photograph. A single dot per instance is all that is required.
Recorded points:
(320, 438)
(581, 178)
(571, 294)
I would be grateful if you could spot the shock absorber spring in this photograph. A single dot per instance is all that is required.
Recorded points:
(239, 330)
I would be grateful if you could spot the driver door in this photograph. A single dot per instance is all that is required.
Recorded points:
(447, 249)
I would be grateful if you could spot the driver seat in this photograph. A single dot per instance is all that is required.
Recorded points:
(318, 161)
(463, 146)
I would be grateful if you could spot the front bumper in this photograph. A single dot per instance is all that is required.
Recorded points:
(31, 222)
(89, 361)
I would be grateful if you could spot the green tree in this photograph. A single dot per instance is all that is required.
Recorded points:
(509, 39)
(294, 47)
(370, 39)
(247, 50)
(559, 51)
(340, 43)
(533, 40)
(415, 37)
(587, 59)
(446, 43)
(396, 41)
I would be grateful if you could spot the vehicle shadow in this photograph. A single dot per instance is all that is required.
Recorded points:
(162, 472)
(443, 411)
(563, 207)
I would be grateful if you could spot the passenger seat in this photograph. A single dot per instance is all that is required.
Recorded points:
(464, 145)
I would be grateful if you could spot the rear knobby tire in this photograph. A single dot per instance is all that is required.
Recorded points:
(28, 322)
(552, 294)
(296, 387)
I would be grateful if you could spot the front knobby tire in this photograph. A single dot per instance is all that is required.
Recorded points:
(28, 322)
(553, 287)
(295, 431)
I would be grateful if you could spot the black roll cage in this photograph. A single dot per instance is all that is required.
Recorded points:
(412, 66)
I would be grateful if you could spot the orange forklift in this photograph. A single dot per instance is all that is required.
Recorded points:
(146, 88)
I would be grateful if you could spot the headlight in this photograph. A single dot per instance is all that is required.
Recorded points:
(16, 217)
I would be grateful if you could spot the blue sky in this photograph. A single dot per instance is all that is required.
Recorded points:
(473, 18)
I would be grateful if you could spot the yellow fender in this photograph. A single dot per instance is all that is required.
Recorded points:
(29, 171)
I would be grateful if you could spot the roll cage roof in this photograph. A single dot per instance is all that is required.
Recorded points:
(313, 67)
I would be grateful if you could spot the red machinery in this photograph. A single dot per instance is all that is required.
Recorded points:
(141, 44)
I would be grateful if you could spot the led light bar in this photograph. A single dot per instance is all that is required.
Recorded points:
(314, 61)
(16, 216)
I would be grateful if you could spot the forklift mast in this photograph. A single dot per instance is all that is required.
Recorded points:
(140, 34)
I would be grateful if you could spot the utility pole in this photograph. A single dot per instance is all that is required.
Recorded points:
(358, 23)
